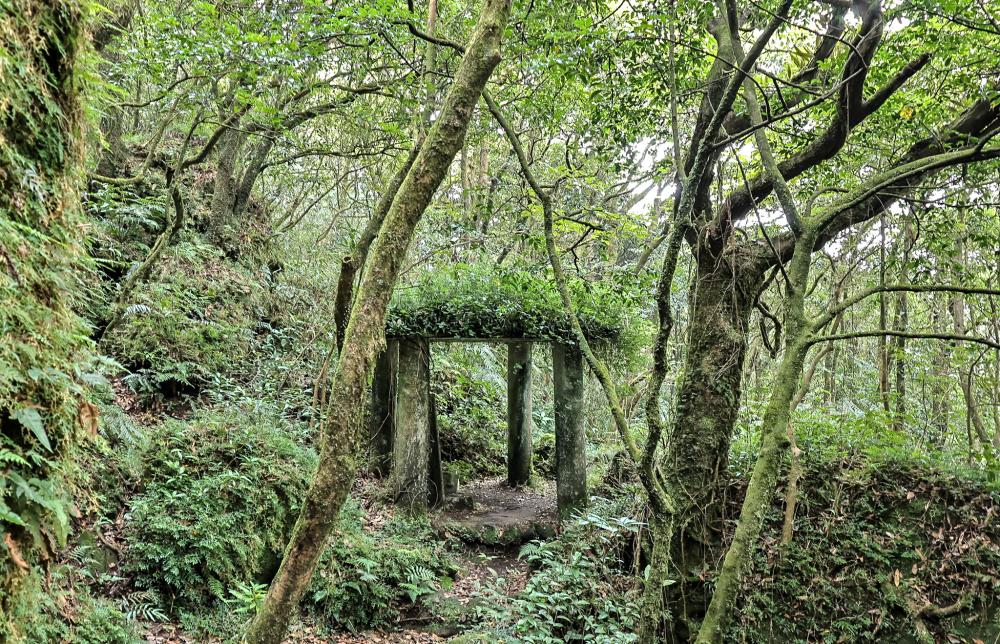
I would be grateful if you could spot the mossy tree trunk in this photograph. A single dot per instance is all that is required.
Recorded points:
(223, 225)
(774, 443)
(701, 428)
(365, 333)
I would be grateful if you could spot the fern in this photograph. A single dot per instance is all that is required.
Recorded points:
(143, 605)
(420, 582)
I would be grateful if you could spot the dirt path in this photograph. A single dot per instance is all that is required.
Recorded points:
(491, 513)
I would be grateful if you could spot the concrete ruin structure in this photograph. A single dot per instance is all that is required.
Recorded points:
(403, 430)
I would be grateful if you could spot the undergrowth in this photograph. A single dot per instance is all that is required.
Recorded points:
(216, 498)
(368, 577)
(871, 544)
(582, 588)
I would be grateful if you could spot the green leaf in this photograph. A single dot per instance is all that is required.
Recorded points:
(31, 419)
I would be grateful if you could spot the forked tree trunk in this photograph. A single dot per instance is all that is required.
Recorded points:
(774, 441)
(341, 425)
(696, 458)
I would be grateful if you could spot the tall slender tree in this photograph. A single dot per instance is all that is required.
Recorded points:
(365, 333)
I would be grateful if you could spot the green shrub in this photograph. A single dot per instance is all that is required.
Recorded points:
(470, 399)
(220, 495)
(365, 579)
(580, 590)
(102, 622)
(59, 610)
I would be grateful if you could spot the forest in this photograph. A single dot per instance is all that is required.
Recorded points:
(500, 321)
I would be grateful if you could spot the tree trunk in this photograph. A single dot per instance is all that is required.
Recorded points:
(900, 323)
(353, 264)
(883, 321)
(774, 441)
(223, 228)
(974, 418)
(254, 167)
(365, 334)
(795, 469)
(940, 404)
(695, 461)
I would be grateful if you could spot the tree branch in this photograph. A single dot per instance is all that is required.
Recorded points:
(951, 337)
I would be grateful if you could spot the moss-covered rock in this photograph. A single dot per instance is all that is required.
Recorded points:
(216, 499)
(194, 323)
(44, 352)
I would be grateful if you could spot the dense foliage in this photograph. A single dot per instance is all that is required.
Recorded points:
(878, 544)
(768, 229)
(214, 503)
(45, 361)
(479, 302)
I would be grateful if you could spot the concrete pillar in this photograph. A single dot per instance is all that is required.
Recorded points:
(518, 413)
(411, 441)
(382, 403)
(435, 491)
(571, 439)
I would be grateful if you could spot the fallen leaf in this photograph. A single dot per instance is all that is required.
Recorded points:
(88, 416)
(15, 552)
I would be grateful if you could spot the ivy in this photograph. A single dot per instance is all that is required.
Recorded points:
(480, 302)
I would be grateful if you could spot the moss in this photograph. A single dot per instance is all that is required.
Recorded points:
(193, 324)
(45, 353)
(64, 611)
(216, 502)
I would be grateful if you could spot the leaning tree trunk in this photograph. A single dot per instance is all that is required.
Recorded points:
(696, 456)
(41, 258)
(341, 427)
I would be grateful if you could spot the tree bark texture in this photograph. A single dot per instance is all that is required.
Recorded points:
(696, 460)
(518, 413)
